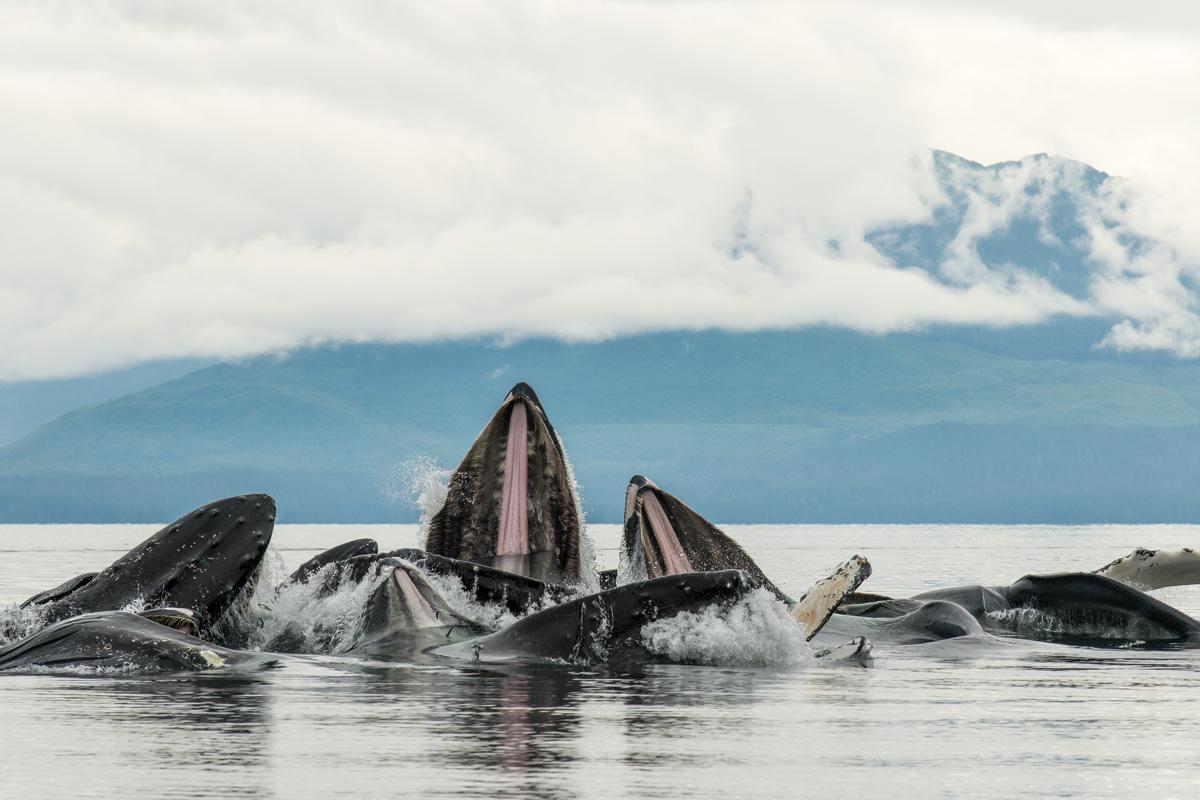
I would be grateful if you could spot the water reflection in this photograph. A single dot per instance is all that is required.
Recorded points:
(157, 734)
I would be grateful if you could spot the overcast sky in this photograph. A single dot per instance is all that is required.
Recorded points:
(182, 180)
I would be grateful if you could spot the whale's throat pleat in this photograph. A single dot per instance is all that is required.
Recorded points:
(674, 559)
(513, 536)
(423, 615)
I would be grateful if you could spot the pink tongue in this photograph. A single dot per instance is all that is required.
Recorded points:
(674, 559)
(513, 538)
(418, 606)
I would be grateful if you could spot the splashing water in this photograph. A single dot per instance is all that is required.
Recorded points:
(491, 615)
(303, 618)
(756, 631)
(589, 573)
(17, 623)
(422, 483)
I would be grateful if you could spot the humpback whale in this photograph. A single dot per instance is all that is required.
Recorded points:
(62, 590)
(663, 536)
(1078, 607)
(511, 503)
(488, 584)
(484, 584)
(358, 547)
(405, 614)
(199, 562)
(604, 627)
(913, 622)
(160, 640)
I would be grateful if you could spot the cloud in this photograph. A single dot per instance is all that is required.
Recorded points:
(223, 180)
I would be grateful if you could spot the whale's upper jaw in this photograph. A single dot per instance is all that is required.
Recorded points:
(524, 393)
(200, 562)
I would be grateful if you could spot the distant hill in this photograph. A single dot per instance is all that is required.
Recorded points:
(951, 424)
(815, 425)
(27, 405)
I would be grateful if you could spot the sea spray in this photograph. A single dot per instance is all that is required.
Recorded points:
(420, 482)
(307, 618)
(16, 623)
(491, 615)
(589, 573)
(756, 631)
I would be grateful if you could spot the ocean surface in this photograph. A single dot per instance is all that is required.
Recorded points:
(1019, 719)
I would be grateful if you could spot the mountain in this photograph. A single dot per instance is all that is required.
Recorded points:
(948, 424)
(27, 405)
(813, 425)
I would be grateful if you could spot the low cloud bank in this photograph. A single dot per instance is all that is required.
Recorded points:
(225, 181)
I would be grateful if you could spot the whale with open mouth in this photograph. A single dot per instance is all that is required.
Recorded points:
(202, 562)
(511, 503)
(405, 614)
(664, 536)
(157, 640)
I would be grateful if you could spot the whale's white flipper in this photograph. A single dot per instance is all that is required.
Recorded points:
(817, 605)
(857, 648)
(1155, 569)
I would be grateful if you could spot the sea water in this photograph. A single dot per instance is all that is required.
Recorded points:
(759, 719)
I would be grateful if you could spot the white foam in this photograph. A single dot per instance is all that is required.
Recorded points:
(310, 621)
(422, 483)
(491, 615)
(588, 571)
(757, 631)
(17, 623)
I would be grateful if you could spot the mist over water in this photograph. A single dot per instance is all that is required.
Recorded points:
(1017, 718)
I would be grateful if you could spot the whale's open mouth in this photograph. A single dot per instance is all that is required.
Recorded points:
(419, 609)
(511, 503)
(661, 549)
(513, 536)
(180, 619)
(672, 560)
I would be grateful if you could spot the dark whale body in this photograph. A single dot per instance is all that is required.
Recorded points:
(701, 546)
(518, 593)
(405, 615)
(119, 641)
(1082, 605)
(511, 503)
(604, 627)
(200, 562)
(62, 590)
(358, 547)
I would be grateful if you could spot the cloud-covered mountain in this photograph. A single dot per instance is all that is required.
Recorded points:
(1062, 419)
(232, 181)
